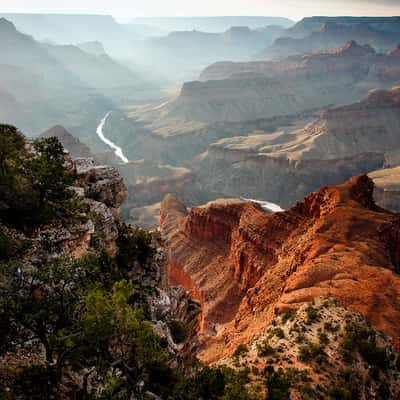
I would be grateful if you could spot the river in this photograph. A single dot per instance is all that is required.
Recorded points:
(266, 205)
(117, 150)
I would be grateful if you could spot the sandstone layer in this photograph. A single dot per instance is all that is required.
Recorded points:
(246, 265)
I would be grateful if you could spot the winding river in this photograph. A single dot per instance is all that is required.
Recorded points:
(117, 150)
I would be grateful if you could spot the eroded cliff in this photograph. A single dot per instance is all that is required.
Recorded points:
(247, 265)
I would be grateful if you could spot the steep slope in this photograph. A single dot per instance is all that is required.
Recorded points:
(322, 351)
(48, 90)
(97, 71)
(73, 145)
(282, 167)
(246, 266)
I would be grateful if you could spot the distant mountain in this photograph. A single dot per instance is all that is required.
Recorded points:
(56, 84)
(97, 71)
(255, 90)
(70, 28)
(314, 24)
(209, 24)
(182, 52)
(332, 34)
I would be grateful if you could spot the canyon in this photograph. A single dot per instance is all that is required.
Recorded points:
(284, 166)
(246, 266)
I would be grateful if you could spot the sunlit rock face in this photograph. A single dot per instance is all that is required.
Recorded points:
(246, 265)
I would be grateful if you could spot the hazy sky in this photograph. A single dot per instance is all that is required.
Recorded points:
(130, 8)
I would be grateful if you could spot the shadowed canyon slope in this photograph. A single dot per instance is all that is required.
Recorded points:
(246, 265)
(245, 91)
(44, 85)
(282, 167)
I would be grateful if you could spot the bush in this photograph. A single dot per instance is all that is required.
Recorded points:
(240, 351)
(311, 352)
(8, 247)
(278, 332)
(312, 314)
(133, 245)
(323, 338)
(363, 339)
(34, 186)
(279, 382)
(265, 350)
(288, 315)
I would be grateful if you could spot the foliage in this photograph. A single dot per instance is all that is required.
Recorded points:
(265, 350)
(323, 338)
(50, 178)
(34, 181)
(312, 314)
(279, 382)
(363, 338)
(240, 351)
(278, 332)
(312, 351)
(8, 248)
(116, 334)
(288, 315)
(133, 245)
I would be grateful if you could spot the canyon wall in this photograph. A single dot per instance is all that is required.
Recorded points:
(250, 265)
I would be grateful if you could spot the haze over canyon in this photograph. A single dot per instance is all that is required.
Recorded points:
(200, 207)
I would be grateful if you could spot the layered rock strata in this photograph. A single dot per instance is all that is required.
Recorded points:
(246, 265)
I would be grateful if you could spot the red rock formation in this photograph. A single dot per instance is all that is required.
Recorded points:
(248, 265)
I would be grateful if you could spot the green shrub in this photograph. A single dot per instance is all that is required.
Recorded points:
(278, 332)
(312, 314)
(240, 351)
(323, 338)
(8, 247)
(311, 352)
(281, 381)
(265, 350)
(133, 245)
(363, 339)
(288, 315)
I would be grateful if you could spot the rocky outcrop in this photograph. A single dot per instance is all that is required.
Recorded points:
(248, 265)
(101, 192)
(321, 340)
(101, 183)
